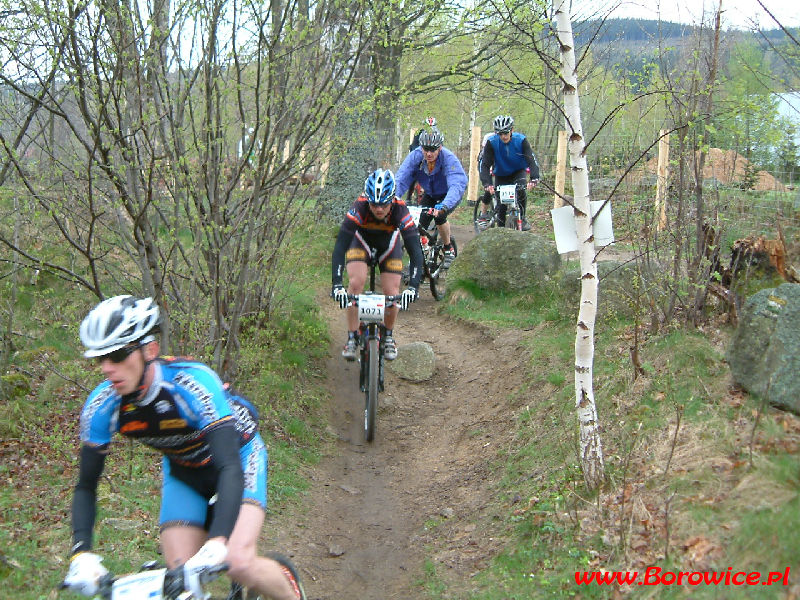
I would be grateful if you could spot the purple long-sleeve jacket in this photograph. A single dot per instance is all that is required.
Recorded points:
(448, 178)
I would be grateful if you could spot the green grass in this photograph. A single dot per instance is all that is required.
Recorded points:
(714, 493)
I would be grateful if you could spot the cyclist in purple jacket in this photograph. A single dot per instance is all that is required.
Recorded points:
(442, 178)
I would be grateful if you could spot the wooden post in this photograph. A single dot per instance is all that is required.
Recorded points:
(474, 176)
(287, 150)
(326, 162)
(411, 134)
(561, 169)
(661, 179)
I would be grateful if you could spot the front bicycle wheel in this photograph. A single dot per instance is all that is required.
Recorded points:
(512, 220)
(373, 383)
(476, 210)
(438, 275)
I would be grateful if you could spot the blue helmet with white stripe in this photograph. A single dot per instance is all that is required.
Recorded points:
(379, 187)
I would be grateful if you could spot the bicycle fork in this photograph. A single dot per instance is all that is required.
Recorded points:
(368, 333)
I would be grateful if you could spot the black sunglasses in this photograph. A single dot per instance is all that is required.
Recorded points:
(120, 354)
(504, 132)
(430, 148)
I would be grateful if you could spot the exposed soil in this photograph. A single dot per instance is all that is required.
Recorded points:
(362, 530)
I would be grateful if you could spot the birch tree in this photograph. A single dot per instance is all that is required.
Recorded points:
(591, 451)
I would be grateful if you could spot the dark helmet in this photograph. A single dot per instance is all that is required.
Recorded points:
(503, 123)
(118, 321)
(431, 138)
(379, 187)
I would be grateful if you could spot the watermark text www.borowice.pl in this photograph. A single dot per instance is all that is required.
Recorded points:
(657, 576)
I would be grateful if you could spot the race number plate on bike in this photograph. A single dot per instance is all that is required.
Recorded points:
(146, 585)
(415, 211)
(508, 194)
(371, 308)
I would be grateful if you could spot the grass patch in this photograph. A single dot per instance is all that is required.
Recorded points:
(695, 483)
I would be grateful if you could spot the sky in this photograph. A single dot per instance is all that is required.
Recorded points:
(736, 14)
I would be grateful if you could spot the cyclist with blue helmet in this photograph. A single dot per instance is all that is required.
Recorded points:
(441, 176)
(374, 224)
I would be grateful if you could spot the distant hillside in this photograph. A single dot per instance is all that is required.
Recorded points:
(628, 30)
(626, 43)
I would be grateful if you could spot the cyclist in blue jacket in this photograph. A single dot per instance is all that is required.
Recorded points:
(211, 448)
(442, 178)
(508, 156)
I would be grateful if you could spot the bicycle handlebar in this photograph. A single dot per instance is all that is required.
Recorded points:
(173, 580)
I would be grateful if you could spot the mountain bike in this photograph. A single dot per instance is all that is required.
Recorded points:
(153, 582)
(371, 334)
(432, 256)
(506, 195)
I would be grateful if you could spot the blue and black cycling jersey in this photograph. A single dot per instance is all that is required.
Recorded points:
(189, 416)
(504, 159)
(185, 401)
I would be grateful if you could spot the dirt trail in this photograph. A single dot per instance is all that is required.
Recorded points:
(361, 532)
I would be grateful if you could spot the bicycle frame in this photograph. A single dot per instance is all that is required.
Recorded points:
(513, 211)
(371, 307)
(432, 254)
(507, 196)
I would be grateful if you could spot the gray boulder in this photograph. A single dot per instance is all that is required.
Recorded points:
(415, 362)
(764, 355)
(506, 260)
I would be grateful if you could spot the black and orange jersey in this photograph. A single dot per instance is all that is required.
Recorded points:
(378, 234)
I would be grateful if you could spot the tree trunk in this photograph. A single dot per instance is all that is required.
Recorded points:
(591, 451)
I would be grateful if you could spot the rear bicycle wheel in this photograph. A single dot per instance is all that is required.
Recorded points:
(371, 394)
(476, 211)
(438, 275)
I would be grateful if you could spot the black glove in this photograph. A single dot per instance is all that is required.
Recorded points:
(339, 294)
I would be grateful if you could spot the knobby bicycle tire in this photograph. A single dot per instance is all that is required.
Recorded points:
(438, 282)
(371, 395)
(476, 211)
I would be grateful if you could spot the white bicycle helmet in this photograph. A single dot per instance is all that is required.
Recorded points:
(118, 321)
(503, 123)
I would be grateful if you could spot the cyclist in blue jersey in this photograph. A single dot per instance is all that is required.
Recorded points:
(442, 178)
(508, 156)
(211, 448)
(376, 221)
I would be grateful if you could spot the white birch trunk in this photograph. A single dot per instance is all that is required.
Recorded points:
(591, 451)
